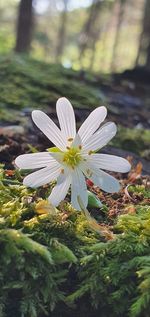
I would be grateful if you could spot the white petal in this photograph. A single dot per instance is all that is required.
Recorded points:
(58, 156)
(78, 188)
(92, 123)
(49, 128)
(105, 181)
(59, 192)
(101, 179)
(77, 141)
(66, 118)
(43, 176)
(109, 162)
(101, 137)
(34, 160)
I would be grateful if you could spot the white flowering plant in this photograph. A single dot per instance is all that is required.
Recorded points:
(75, 156)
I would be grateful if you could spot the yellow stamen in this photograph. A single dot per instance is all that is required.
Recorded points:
(89, 172)
(72, 157)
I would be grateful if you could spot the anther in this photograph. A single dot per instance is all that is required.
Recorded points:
(90, 152)
(70, 139)
(67, 147)
(89, 172)
(62, 171)
(80, 147)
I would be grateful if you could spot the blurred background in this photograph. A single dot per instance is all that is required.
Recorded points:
(98, 35)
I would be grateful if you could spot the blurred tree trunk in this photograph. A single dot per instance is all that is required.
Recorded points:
(92, 59)
(121, 9)
(24, 26)
(147, 65)
(144, 43)
(91, 31)
(62, 31)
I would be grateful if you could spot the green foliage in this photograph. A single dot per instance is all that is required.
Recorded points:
(52, 263)
(7, 41)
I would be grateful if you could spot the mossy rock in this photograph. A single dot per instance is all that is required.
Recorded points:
(134, 140)
(27, 83)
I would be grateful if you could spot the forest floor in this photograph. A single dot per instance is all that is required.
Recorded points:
(25, 85)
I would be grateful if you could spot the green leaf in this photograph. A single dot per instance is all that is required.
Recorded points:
(53, 149)
(32, 148)
(93, 201)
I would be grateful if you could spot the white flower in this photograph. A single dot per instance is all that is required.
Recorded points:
(75, 155)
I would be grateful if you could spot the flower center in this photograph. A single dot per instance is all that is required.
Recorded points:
(72, 157)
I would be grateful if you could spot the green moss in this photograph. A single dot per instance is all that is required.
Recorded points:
(51, 260)
(115, 276)
(33, 84)
(141, 190)
(38, 248)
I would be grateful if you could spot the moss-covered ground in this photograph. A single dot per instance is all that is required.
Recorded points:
(59, 262)
(56, 262)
